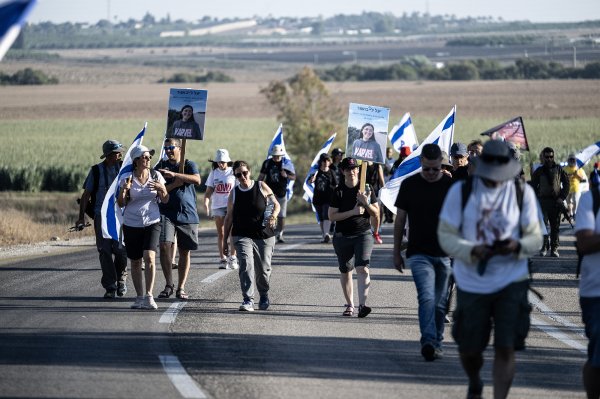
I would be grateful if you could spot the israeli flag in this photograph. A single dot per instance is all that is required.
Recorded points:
(112, 214)
(309, 188)
(403, 134)
(587, 153)
(287, 162)
(12, 18)
(442, 135)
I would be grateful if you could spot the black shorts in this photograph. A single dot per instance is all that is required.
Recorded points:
(140, 239)
(353, 251)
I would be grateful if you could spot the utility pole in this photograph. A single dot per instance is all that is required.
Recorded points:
(574, 57)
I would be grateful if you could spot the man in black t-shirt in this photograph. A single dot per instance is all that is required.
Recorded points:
(420, 198)
(277, 172)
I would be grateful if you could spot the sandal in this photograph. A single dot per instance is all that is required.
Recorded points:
(349, 311)
(181, 294)
(167, 292)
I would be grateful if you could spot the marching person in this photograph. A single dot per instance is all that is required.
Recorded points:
(420, 199)
(219, 184)
(351, 210)
(277, 172)
(178, 217)
(576, 177)
(113, 259)
(252, 212)
(324, 181)
(141, 222)
(490, 234)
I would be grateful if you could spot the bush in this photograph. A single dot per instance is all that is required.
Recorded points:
(182, 77)
(27, 76)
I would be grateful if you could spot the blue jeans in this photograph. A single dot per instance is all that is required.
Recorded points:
(431, 275)
(254, 258)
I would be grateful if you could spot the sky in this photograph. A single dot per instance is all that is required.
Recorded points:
(58, 11)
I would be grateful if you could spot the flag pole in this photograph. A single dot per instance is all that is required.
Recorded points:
(182, 157)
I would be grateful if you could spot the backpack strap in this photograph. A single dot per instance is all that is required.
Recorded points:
(466, 188)
(96, 177)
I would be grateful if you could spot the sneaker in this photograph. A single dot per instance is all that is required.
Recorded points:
(247, 306)
(232, 263)
(428, 352)
(327, 238)
(542, 252)
(438, 353)
(363, 311)
(264, 302)
(174, 266)
(447, 320)
(554, 253)
(378, 239)
(280, 239)
(110, 294)
(148, 303)
(223, 264)
(139, 301)
(121, 289)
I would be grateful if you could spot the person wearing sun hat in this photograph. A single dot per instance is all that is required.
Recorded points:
(491, 238)
(219, 184)
(113, 259)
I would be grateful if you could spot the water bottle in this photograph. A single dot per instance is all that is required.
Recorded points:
(268, 212)
(368, 193)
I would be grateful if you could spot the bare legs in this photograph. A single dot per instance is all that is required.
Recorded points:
(136, 274)
(364, 281)
(503, 370)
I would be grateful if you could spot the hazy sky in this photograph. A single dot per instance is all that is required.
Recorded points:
(94, 10)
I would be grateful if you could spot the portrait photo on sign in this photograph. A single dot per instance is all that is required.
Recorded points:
(367, 132)
(187, 114)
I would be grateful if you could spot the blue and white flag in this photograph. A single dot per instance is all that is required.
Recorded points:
(309, 187)
(404, 135)
(287, 161)
(112, 214)
(442, 135)
(587, 153)
(12, 18)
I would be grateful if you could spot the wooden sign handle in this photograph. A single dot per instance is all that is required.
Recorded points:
(363, 176)
(182, 157)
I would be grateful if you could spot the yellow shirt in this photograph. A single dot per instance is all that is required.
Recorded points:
(573, 172)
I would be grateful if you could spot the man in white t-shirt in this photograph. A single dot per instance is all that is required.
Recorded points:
(587, 231)
(490, 236)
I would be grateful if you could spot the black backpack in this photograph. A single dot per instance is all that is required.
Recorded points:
(595, 208)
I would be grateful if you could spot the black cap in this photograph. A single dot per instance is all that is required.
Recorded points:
(337, 151)
(349, 163)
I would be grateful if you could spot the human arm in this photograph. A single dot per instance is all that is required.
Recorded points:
(228, 223)
(123, 192)
(85, 197)
(588, 240)
(269, 196)
(207, 195)
(380, 176)
(399, 225)
(159, 186)
(565, 185)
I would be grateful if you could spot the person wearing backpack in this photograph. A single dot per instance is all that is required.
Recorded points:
(113, 259)
(491, 239)
(587, 233)
(551, 185)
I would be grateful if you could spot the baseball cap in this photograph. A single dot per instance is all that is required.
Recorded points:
(277, 150)
(139, 150)
(458, 149)
(337, 151)
(349, 163)
(111, 146)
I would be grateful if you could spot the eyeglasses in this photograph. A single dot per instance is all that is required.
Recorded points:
(487, 158)
(431, 169)
(169, 147)
(239, 174)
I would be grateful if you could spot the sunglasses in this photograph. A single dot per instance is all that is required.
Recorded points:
(169, 147)
(571, 160)
(487, 158)
(549, 156)
(431, 169)
(239, 174)
(146, 157)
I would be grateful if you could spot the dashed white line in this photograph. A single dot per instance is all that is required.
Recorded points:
(170, 314)
(186, 386)
(545, 310)
(560, 336)
(214, 277)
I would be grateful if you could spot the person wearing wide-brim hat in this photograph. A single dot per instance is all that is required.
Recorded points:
(491, 236)
(219, 184)
(113, 259)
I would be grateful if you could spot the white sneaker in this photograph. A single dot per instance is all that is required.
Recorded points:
(223, 263)
(139, 300)
(149, 303)
(232, 263)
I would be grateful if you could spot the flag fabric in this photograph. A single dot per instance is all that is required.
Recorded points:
(287, 161)
(442, 135)
(512, 130)
(403, 135)
(585, 155)
(163, 154)
(12, 18)
(309, 187)
(112, 214)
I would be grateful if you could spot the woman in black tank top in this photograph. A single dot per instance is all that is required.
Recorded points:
(251, 219)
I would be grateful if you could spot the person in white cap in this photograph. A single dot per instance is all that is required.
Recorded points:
(491, 234)
(139, 195)
(219, 184)
(113, 259)
(277, 172)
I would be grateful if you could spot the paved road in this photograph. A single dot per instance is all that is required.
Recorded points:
(59, 338)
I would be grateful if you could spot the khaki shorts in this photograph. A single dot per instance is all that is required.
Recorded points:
(187, 234)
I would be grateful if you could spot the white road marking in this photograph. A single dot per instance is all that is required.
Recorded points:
(214, 277)
(186, 386)
(170, 314)
(545, 310)
(560, 336)
(291, 246)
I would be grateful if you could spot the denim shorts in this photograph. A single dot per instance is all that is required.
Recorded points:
(590, 314)
(353, 251)
(218, 212)
(187, 234)
(509, 310)
(140, 239)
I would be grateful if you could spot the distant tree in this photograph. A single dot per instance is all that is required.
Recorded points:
(149, 19)
(463, 71)
(308, 113)
(384, 24)
(317, 28)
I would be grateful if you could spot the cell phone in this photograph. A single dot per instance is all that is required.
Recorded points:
(501, 243)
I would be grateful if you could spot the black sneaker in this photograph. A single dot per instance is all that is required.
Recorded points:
(110, 294)
(428, 352)
(121, 289)
(264, 303)
(438, 353)
(363, 311)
